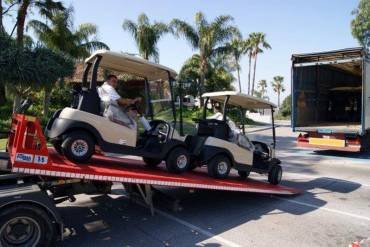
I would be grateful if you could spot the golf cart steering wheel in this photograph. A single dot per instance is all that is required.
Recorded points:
(161, 129)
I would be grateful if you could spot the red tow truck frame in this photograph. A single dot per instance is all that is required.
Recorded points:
(29, 159)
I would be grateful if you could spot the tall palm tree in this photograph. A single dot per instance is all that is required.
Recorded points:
(278, 86)
(258, 41)
(237, 48)
(248, 51)
(209, 38)
(262, 85)
(146, 35)
(59, 35)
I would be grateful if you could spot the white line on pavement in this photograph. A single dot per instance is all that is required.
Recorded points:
(324, 208)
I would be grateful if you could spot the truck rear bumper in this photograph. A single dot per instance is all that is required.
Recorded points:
(331, 142)
(347, 148)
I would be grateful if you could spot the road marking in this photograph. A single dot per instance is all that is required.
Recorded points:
(198, 229)
(324, 208)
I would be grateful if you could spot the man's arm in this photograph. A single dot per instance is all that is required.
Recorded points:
(126, 102)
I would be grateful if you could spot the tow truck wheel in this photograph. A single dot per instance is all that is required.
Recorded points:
(178, 160)
(243, 174)
(219, 167)
(275, 175)
(78, 146)
(26, 225)
(151, 162)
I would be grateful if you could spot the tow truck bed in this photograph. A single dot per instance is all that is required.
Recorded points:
(133, 171)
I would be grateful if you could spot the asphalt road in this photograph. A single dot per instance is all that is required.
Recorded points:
(334, 209)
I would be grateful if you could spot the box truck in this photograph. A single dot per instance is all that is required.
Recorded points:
(331, 99)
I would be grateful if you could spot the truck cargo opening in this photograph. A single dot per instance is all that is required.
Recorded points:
(330, 95)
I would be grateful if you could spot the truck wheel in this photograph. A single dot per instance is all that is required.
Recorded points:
(151, 162)
(219, 167)
(26, 225)
(178, 160)
(275, 175)
(243, 174)
(78, 146)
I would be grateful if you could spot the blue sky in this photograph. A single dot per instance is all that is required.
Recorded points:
(291, 26)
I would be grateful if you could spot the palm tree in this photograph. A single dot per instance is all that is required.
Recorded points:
(248, 51)
(237, 48)
(146, 35)
(262, 85)
(257, 40)
(278, 86)
(60, 36)
(209, 38)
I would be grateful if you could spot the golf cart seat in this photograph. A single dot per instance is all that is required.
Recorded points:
(89, 101)
(213, 127)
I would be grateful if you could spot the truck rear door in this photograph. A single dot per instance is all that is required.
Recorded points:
(366, 96)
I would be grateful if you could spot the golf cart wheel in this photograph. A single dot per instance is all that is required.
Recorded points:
(178, 160)
(26, 225)
(78, 146)
(243, 174)
(219, 166)
(275, 175)
(151, 162)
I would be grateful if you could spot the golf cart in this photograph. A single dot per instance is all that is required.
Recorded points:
(76, 131)
(220, 148)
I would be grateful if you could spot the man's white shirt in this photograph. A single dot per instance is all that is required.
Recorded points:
(107, 93)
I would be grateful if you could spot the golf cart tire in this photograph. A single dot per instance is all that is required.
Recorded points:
(275, 175)
(69, 140)
(215, 162)
(243, 174)
(43, 230)
(151, 162)
(173, 157)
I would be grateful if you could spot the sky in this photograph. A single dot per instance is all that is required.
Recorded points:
(291, 26)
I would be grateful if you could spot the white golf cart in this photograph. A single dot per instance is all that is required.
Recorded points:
(221, 148)
(76, 131)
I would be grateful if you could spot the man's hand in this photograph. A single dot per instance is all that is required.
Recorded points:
(137, 99)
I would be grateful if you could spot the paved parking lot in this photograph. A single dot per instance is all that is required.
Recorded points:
(334, 209)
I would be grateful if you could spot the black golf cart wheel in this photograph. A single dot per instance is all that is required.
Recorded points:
(219, 166)
(26, 225)
(275, 175)
(78, 146)
(243, 174)
(178, 160)
(151, 162)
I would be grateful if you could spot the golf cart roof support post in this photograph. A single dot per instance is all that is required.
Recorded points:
(181, 107)
(171, 80)
(205, 108)
(95, 72)
(225, 107)
(149, 108)
(273, 128)
(242, 118)
(86, 73)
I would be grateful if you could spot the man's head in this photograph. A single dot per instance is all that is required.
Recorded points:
(218, 108)
(112, 80)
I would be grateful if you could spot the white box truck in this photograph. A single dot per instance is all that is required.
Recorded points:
(331, 99)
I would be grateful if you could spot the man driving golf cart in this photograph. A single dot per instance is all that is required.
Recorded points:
(212, 145)
(75, 131)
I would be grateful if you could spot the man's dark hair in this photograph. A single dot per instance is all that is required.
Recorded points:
(111, 76)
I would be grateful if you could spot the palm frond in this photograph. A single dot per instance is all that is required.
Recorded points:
(130, 26)
(181, 28)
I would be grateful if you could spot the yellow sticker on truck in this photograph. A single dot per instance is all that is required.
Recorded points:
(327, 142)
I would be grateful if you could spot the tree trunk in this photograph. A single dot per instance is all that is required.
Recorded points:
(17, 101)
(249, 72)
(46, 102)
(1, 16)
(21, 19)
(240, 85)
(202, 77)
(278, 99)
(254, 74)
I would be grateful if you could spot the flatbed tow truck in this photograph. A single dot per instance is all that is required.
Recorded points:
(34, 178)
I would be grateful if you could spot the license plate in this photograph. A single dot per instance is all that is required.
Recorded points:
(327, 142)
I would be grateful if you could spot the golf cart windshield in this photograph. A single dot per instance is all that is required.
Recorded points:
(161, 99)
